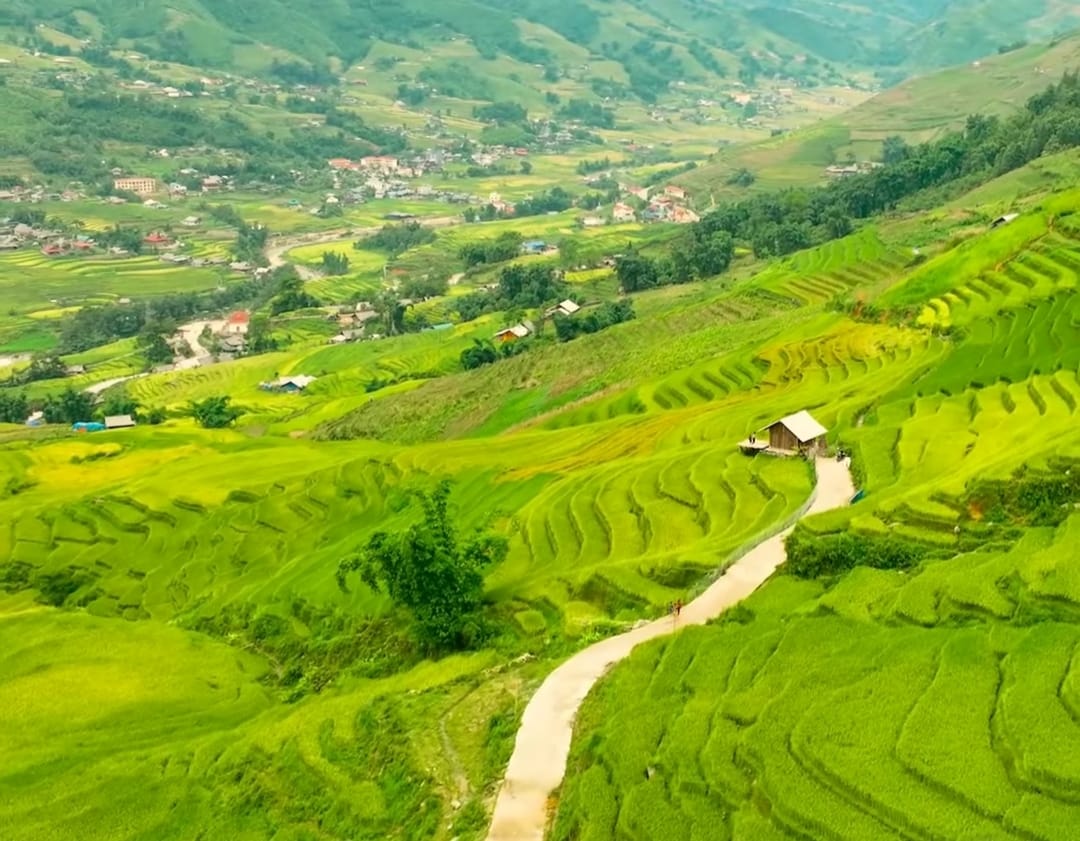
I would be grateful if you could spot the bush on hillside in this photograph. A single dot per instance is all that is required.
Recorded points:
(482, 352)
(813, 556)
(397, 239)
(214, 412)
(334, 263)
(604, 316)
(1037, 499)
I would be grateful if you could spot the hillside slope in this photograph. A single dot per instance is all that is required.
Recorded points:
(644, 37)
(918, 110)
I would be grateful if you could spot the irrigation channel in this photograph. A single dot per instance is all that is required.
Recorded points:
(538, 762)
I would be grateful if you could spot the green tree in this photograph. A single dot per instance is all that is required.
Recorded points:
(636, 272)
(259, 337)
(481, 352)
(429, 570)
(894, 150)
(292, 296)
(155, 349)
(14, 408)
(334, 263)
(119, 404)
(391, 312)
(712, 256)
(214, 412)
(70, 406)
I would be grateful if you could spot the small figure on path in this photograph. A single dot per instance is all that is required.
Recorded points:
(753, 438)
(678, 607)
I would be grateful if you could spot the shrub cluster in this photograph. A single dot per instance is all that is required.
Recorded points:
(813, 556)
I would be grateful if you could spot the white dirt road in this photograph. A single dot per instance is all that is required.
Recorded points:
(192, 333)
(98, 388)
(538, 762)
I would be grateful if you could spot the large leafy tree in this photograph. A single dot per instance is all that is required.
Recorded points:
(431, 571)
(636, 272)
(70, 406)
(214, 412)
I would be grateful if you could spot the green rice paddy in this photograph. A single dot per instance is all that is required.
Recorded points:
(939, 703)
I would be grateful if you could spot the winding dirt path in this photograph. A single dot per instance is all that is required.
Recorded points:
(538, 762)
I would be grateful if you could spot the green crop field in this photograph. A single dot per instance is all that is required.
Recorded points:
(938, 703)
(178, 658)
(859, 711)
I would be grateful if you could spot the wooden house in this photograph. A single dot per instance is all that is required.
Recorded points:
(797, 434)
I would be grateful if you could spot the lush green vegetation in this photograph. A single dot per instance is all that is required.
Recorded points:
(295, 46)
(258, 614)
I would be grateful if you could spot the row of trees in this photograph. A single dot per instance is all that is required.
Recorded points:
(701, 255)
(484, 352)
(779, 223)
(505, 247)
(606, 315)
(72, 406)
(98, 325)
(397, 239)
(520, 287)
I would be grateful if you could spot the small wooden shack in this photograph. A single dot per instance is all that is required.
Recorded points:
(797, 434)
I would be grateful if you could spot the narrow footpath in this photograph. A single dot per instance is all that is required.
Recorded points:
(538, 762)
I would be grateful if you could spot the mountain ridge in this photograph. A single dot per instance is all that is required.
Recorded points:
(891, 40)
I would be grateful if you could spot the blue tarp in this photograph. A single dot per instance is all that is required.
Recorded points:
(91, 426)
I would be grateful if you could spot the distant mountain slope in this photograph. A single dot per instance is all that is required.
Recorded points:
(918, 110)
(655, 41)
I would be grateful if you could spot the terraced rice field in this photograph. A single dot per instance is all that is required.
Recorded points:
(859, 712)
(937, 704)
(30, 281)
(1048, 269)
(857, 263)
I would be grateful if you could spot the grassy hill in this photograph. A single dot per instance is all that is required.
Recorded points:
(173, 629)
(918, 110)
(178, 658)
(650, 43)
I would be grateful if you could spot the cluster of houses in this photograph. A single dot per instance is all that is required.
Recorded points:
(524, 329)
(144, 186)
(384, 176)
(669, 205)
(58, 244)
(52, 243)
(153, 89)
(35, 195)
(850, 169)
(351, 322)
